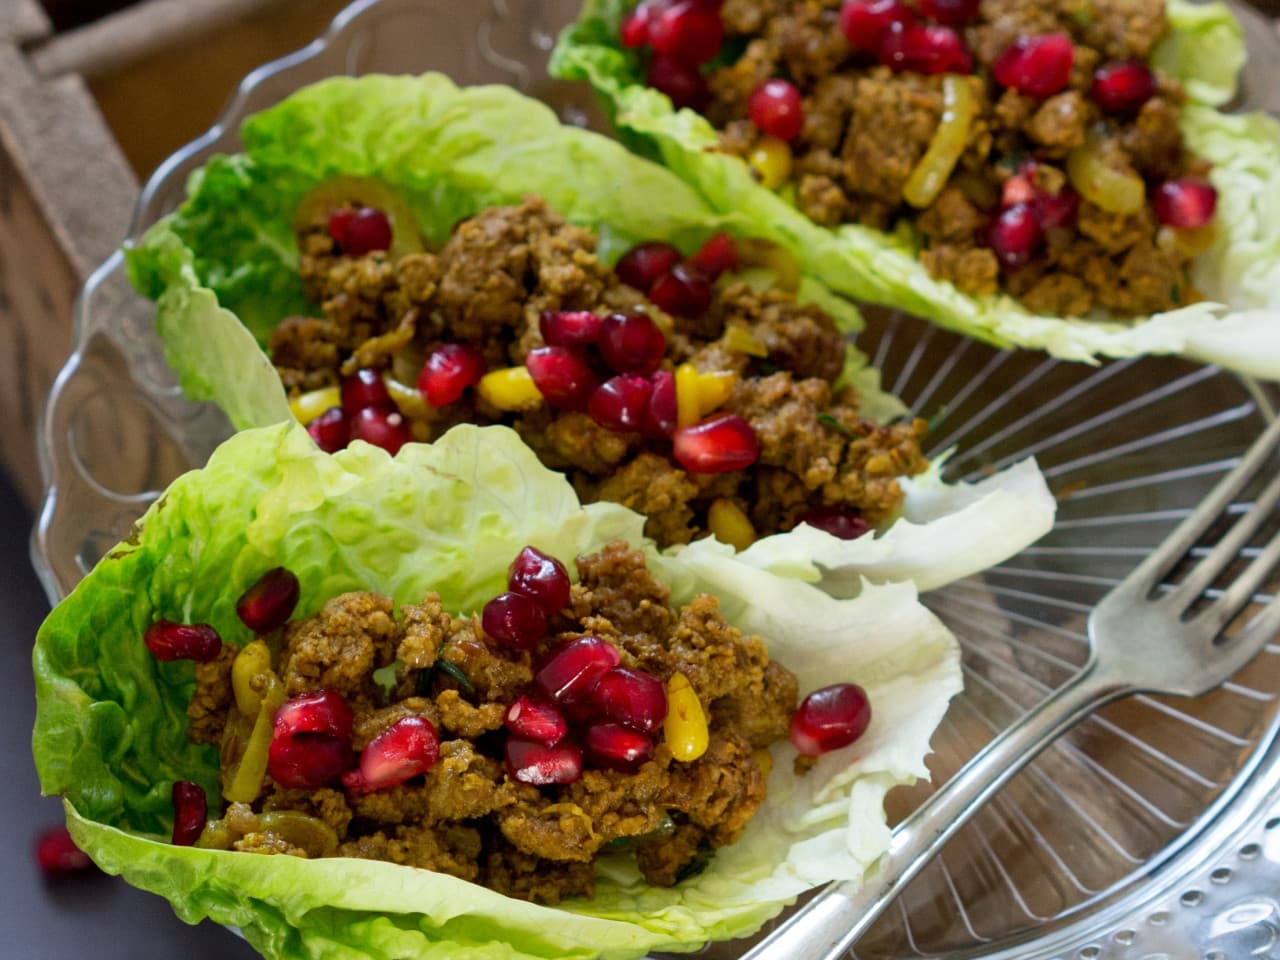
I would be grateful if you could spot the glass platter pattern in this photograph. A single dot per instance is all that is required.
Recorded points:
(1152, 831)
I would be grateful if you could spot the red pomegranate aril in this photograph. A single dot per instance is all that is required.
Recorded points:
(532, 719)
(364, 389)
(634, 30)
(775, 107)
(616, 747)
(683, 291)
(924, 49)
(841, 522)
(182, 641)
(449, 370)
(1017, 189)
(660, 417)
(573, 670)
(540, 577)
(632, 342)
(382, 428)
(339, 219)
(1186, 203)
(324, 712)
(1037, 66)
(562, 376)
(1015, 235)
(717, 445)
(515, 620)
(950, 12)
(308, 761)
(620, 403)
(681, 82)
(632, 698)
(190, 810)
(644, 263)
(366, 230)
(1057, 210)
(540, 765)
(830, 718)
(690, 31)
(58, 857)
(570, 328)
(718, 255)
(864, 22)
(406, 749)
(330, 430)
(270, 601)
(1123, 86)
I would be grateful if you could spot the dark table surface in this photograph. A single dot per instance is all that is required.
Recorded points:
(94, 916)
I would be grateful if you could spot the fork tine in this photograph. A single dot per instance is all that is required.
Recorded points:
(1234, 598)
(1257, 632)
(1229, 547)
(1156, 567)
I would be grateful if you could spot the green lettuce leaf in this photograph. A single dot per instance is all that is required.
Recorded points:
(110, 721)
(1238, 326)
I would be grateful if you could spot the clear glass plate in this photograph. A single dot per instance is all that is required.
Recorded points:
(1146, 832)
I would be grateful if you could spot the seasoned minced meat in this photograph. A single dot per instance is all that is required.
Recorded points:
(467, 816)
(207, 711)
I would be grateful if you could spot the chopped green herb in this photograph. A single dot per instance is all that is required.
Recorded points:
(452, 670)
(937, 418)
(828, 420)
(385, 677)
(1175, 294)
(701, 860)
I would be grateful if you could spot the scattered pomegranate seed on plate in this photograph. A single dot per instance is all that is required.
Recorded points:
(58, 857)
(270, 601)
(830, 718)
(182, 641)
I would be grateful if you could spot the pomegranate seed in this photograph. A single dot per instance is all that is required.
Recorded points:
(830, 718)
(190, 809)
(614, 746)
(1015, 235)
(632, 698)
(1186, 203)
(310, 741)
(690, 32)
(841, 522)
(864, 22)
(1037, 66)
(339, 220)
(573, 670)
(950, 12)
(570, 328)
(620, 404)
(660, 417)
(515, 620)
(682, 83)
(562, 377)
(382, 428)
(532, 719)
(269, 603)
(718, 255)
(1017, 189)
(450, 370)
(634, 30)
(683, 291)
(58, 857)
(1123, 86)
(180, 641)
(541, 578)
(1057, 210)
(632, 342)
(541, 765)
(644, 263)
(924, 49)
(406, 749)
(364, 389)
(365, 231)
(774, 106)
(717, 445)
(330, 430)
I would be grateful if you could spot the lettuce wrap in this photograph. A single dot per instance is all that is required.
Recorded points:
(1237, 325)
(223, 270)
(109, 732)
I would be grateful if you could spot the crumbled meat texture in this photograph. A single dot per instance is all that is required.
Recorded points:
(720, 791)
(654, 486)
(552, 831)
(338, 649)
(424, 628)
(616, 584)
(761, 713)
(527, 877)
(325, 804)
(664, 859)
(207, 711)
(269, 843)
(464, 719)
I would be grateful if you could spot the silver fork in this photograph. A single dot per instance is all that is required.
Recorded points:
(1140, 641)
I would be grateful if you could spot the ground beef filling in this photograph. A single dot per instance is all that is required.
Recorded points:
(466, 816)
(488, 286)
(867, 127)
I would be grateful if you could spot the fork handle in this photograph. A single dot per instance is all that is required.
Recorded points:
(829, 924)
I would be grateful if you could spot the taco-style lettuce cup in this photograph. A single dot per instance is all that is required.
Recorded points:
(489, 220)
(110, 732)
(1033, 175)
